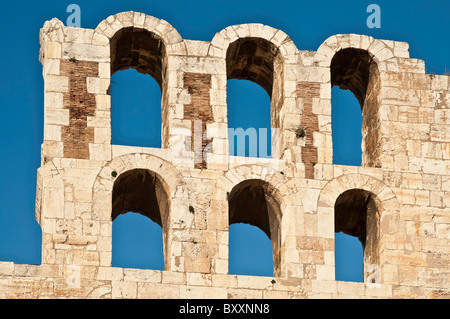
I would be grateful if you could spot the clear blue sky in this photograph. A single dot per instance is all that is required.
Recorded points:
(423, 24)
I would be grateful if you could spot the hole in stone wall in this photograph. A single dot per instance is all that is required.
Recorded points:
(252, 113)
(137, 101)
(139, 191)
(141, 50)
(351, 70)
(356, 71)
(357, 214)
(252, 202)
(252, 59)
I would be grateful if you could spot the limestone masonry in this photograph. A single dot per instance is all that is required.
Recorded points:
(397, 203)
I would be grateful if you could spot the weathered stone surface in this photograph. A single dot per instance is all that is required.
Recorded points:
(397, 203)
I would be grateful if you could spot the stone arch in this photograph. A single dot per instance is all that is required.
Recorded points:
(381, 51)
(108, 27)
(142, 50)
(241, 173)
(257, 53)
(353, 69)
(256, 196)
(267, 183)
(333, 189)
(141, 191)
(169, 179)
(342, 183)
(356, 205)
(172, 180)
(253, 52)
(144, 43)
(279, 39)
(355, 63)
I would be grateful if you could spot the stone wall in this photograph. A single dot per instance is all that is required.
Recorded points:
(402, 189)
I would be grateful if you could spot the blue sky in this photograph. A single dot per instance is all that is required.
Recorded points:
(423, 24)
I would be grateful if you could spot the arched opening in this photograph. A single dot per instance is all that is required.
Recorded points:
(356, 137)
(356, 214)
(252, 202)
(140, 191)
(137, 95)
(252, 115)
